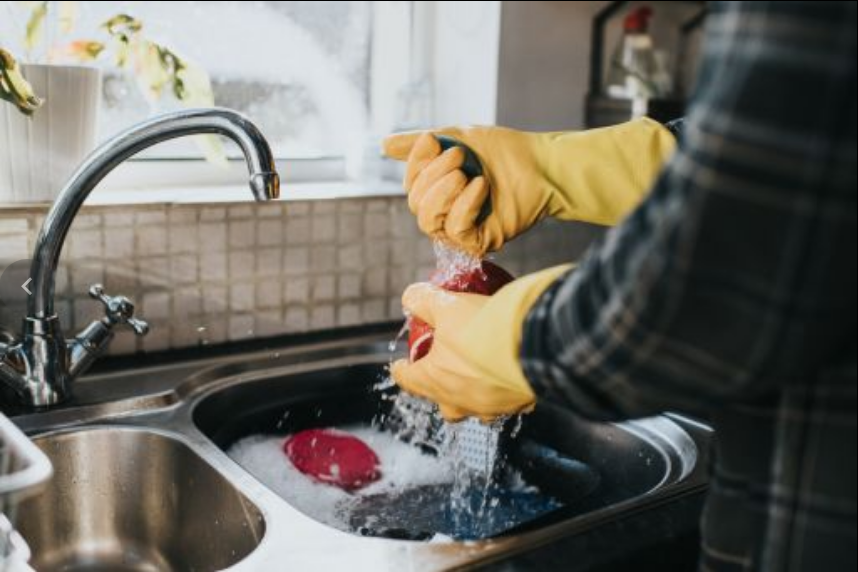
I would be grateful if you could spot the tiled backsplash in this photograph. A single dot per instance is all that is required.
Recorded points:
(206, 274)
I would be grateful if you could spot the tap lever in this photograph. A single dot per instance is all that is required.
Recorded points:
(118, 310)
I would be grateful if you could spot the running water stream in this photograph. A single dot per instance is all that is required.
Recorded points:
(471, 448)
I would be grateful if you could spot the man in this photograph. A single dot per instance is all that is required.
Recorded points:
(730, 291)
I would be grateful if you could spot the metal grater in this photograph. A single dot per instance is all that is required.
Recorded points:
(416, 421)
(476, 444)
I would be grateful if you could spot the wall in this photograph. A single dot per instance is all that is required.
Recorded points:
(213, 273)
(544, 58)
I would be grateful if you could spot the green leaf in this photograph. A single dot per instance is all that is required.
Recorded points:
(14, 88)
(34, 25)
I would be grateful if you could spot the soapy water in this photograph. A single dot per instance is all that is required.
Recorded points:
(419, 497)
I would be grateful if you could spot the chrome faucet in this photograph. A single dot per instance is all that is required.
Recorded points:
(41, 365)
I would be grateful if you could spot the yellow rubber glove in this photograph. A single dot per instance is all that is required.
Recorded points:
(596, 176)
(473, 368)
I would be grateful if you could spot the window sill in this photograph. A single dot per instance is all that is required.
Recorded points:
(231, 193)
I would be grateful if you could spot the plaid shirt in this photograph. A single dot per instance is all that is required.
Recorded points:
(730, 292)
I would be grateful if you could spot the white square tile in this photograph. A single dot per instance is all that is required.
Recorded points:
(373, 311)
(375, 283)
(213, 330)
(350, 257)
(242, 265)
(269, 323)
(350, 227)
(324, 228)
(296, 260)
(269, 232)
(213, 266)
(376, 225)
(151, 240)
(296, 290)
(212, 236)
(214, 299)
(297, 319)
(322, 317)
(348, 286)
(375, 254)
(242, 297)
(268, 294)
(154, 271)
(183, 269)
(323, 288)
(156, 306)
(297, 230)
(187, 302)
(183, 239)
(119, 243)
(268, 262)
(241, 327)
(323, 259)
(242, 233)
(348, 314)
(85, 244)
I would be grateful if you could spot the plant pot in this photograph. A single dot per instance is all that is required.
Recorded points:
(40, 152)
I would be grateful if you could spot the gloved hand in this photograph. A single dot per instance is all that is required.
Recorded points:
(596, 176)
(473, 367)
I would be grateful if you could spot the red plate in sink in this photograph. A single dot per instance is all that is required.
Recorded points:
(333, 457)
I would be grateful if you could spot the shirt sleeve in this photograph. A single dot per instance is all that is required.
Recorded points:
(738, 273)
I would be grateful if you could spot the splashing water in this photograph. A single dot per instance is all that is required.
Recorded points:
(471, 449)
(450, 262)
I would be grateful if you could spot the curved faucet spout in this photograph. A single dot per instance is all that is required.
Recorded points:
(264, 182)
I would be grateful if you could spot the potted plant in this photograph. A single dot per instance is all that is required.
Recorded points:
(49, 125)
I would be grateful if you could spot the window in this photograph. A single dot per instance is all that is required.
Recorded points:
(300, 69)
(323, 80)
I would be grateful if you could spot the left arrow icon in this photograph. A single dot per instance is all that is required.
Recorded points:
(24, 286)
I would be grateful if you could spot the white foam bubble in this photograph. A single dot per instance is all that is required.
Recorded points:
(402, 467)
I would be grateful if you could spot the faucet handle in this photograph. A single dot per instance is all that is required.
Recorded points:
(118, 310)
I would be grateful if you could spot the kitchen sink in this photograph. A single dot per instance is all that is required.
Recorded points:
(586, 466)
(134, 499)
(143, 480)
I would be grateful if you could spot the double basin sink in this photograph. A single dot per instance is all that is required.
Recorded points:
(142, 480)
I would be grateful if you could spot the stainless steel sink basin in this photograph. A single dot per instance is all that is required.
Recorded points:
(586, 466)
(143, 483)
(134, 499)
